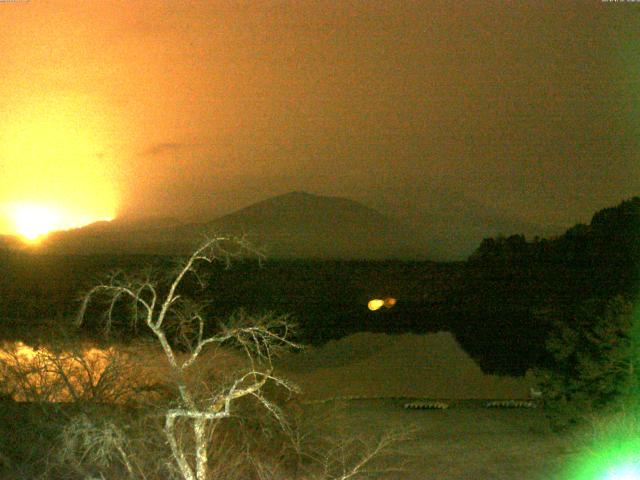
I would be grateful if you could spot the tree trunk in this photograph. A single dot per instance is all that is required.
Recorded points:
(199, 427)
(178, 455)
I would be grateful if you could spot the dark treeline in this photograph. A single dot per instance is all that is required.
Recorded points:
(37, 287)
(500, 304)
(603, 255)
(515, 289)
(328, 299)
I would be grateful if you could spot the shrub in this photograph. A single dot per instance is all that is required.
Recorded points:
(593, 362)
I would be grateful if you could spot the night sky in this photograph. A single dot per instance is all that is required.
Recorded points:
(453, 114)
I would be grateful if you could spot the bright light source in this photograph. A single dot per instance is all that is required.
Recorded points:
(375, 304)
(624, 472)
(32, 220)
(613, 457)
(57, 166)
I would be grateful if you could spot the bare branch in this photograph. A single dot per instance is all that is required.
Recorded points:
(167, 314)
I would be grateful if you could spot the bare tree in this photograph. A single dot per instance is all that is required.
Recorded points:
(178, 324)
(163, 310)
(63, 373)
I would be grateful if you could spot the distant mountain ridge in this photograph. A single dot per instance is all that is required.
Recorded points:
(612, 236)
(301, 208)
(606, 251)
(302, 225)
(292, 225)
(129, 224)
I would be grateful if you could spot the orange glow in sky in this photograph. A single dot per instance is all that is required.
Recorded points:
(32, 221)
(54, 174)
(465, 118)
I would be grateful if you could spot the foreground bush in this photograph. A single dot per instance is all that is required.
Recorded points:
(593, 364)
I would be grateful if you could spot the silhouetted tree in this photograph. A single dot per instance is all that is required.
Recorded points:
(594, 361)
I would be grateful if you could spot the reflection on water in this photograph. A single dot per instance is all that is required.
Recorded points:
(114, 374)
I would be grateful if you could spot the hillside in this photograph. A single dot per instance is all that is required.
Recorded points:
(606, 252)
(301, 225)
(293, 225)
(158, 236)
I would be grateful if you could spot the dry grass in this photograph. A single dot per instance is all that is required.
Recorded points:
(459, 443)
(456, 443)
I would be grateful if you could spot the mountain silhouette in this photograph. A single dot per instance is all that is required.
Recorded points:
(292, 225)
(302, 225)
